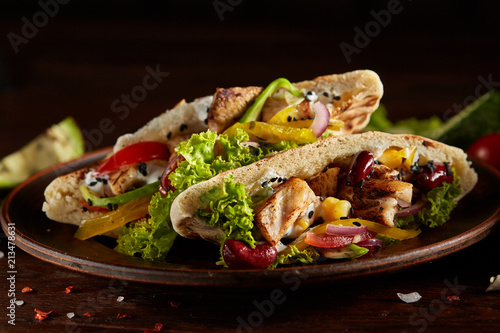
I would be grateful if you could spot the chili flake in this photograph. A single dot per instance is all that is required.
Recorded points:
(123, 315)
(174, 304)
(71, 289)
(42, 315)
(27, 290)
(87, 314)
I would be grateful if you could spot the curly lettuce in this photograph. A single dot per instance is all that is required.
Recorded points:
(441, 202)
(229, 208)
(152, 237)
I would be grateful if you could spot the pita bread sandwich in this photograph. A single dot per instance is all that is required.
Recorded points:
(338, 197)
(128, 194)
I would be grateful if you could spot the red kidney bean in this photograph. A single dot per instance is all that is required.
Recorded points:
(237, 254)
(361, 168)
(433, 175)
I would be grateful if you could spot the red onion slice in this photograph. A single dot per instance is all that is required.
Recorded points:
(415, 208)
(341, 230)
(321, 118)
(370, 243)
(249, 144)
(165, 185)
(404, 204)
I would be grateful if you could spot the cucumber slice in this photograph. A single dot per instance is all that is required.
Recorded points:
(59, 143)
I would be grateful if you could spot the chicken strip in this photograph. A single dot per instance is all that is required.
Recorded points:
(281, 210)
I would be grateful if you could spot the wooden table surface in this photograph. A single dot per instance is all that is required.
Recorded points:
(80, 58)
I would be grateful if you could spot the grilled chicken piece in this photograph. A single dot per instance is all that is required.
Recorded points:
(229, 105)
(281, 210)
(381, 171)
(123, 179)
(325, 183)
(378, 199)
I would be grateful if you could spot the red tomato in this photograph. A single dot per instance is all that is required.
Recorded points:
(487, 149)
(139, 152)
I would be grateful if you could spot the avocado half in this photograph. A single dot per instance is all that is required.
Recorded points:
(59, 143)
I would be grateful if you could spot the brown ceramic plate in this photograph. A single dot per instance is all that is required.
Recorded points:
(192, 263)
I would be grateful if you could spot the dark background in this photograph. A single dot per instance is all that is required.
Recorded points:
(429, 56)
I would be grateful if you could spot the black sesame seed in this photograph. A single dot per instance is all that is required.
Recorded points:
(273, 179)
(424, 143)
(110, 206)
(325, 94)
(448, 169)
(356, 223)
(337, 98)
(381, 208)
(183, 127)
(169, 135)
(326, 169)
(264, 184)
(280, 180)
(309, 93)
(143, 169)
(147, 216)
(310, 117)
(351, 211)
(105, 181)
(115, 206)
(310, 214)
(289, 118)
(208, 109)
(89, 202)
(294, 118)
(344, 217)
(206, 121)
(93, 184)
(84, 209)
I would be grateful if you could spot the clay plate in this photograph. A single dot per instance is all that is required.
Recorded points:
(192, 263)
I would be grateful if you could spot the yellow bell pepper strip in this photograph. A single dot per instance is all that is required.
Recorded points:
(253, 112)
(282, 118)
(130, 211)
(380, 229)
(119, 199)
(393, 158)
(264, 132)
(396, 233)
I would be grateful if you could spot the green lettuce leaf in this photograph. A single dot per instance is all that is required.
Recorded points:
(152, 238)
(438, 209)
(230, 209)
(306, 256)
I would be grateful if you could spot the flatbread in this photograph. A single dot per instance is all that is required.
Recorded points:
(62, 196)
(307, 161)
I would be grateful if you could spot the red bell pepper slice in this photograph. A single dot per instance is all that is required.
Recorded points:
(139, 152)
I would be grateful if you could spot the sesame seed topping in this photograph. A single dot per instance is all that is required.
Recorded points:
(310, 214)
(206, 121)
(110, 206)
(289, 118)
(89, 202)
(273, 179)
(93, 184)
(183, 127)
(344, 217)
(337, 98)
(356, 223)
(169, 135)
(325, 94)
(264, 184)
